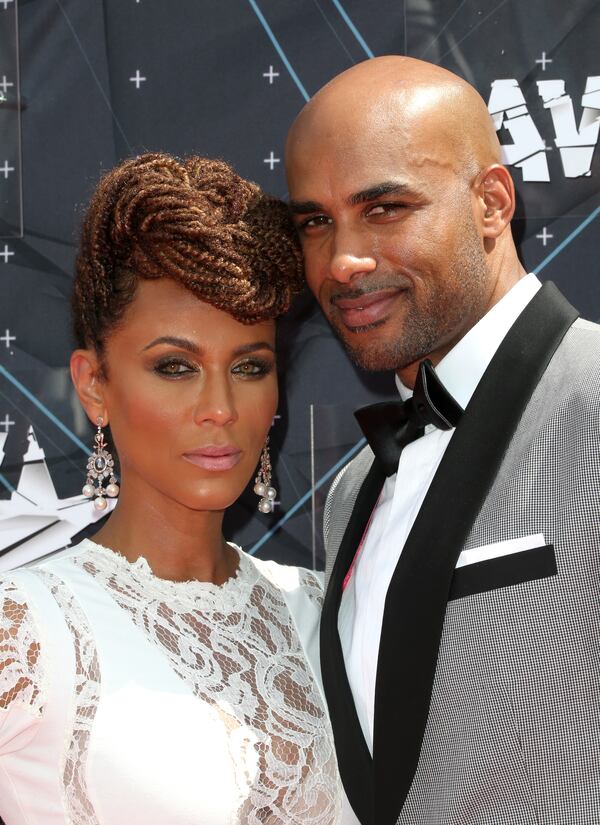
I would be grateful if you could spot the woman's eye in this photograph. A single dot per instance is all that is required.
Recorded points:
(173, 368)
(252, 369)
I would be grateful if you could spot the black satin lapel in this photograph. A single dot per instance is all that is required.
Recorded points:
(354, 757)
(414, 616)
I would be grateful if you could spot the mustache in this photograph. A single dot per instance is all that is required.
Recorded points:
(397, 283)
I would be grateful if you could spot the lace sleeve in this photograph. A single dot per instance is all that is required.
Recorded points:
(312, 584)
(20, 666)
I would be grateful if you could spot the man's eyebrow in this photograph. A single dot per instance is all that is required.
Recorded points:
(182, 343)
(379, 190)
(305, 207)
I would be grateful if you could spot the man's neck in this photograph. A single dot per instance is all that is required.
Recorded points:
(462, 366)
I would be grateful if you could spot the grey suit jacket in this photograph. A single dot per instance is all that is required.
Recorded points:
(510, 731)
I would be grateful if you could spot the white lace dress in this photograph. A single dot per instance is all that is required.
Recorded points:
(129, 699)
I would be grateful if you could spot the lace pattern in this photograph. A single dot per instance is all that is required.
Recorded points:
(87, 694)
(21, 675)
(237, 649)
(312, 586)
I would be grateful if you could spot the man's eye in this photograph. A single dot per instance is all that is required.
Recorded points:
(174, 368)
(315, 221)
(385, 209)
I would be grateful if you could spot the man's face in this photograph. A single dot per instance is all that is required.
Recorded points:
(392, 251)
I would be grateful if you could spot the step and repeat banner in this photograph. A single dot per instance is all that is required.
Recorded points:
(86, 83)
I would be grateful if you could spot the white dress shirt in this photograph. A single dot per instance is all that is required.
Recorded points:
(361, 609)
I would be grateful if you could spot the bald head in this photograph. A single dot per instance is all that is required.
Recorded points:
(403, 209)
(439, 113)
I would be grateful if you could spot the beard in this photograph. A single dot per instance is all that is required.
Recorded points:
(427, 326)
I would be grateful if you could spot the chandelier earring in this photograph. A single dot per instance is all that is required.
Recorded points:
(100, 467)
(262, 482)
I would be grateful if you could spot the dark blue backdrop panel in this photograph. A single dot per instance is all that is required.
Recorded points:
(85, 83)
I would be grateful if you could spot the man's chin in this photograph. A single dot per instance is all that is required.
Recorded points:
(372, 357)
(363, 347)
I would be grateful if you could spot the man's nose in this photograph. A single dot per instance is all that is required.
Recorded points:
(351, 256)
(215, 403)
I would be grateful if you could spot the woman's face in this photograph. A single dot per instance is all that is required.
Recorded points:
(190, 394)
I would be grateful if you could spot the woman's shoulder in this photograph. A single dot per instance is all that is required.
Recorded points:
(290, 579)
(42, 587)
(22, 670)
(45, 564)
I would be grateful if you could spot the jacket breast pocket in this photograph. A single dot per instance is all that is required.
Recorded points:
(503, 571)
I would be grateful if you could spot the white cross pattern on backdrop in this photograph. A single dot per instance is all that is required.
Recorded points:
(7, 422)
(7, 338)
(137, 79)
(544, 236)
(272, 160)
(271, 74)
(6, 4)
(543, 60)
(6, 253)
(6, 169)
(5, 85)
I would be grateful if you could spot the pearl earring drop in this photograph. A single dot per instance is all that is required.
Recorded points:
(262, 482)
(100, 466)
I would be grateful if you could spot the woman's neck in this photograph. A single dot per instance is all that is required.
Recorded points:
(178, 543)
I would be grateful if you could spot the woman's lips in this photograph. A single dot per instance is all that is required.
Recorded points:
(366, 310)
(214, 458)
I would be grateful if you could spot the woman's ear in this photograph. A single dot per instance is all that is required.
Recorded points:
(496, 200)
(86, 374)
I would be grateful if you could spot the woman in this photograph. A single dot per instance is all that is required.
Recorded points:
(157, 674)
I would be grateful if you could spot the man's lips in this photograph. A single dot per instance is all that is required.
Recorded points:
(214, 457)
(366, 309)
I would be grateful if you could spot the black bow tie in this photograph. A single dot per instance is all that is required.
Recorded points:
(391, 425)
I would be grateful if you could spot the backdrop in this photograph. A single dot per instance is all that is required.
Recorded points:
(85, 83)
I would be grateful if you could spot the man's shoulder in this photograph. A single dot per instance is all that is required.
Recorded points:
(585, 333)
(576, 363)
(342, 496)
(352, 474)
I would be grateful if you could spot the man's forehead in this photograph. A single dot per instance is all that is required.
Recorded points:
(367, 150)
(350, 172)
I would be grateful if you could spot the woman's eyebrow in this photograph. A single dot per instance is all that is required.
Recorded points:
(182, 343)
(246, 348)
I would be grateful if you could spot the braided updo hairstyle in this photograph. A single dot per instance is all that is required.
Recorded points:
(194, 221)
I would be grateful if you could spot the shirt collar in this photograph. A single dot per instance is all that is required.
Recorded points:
(461, 369)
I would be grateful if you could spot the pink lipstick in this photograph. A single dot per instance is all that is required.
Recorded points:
(214, 457)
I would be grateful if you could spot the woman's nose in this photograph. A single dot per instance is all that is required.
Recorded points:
(215, 403)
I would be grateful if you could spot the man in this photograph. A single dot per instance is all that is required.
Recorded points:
(459, 631)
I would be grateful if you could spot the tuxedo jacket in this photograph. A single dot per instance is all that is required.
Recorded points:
(487, 700)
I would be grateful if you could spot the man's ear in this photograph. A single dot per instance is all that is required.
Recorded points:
(495, 192)
(86, 374)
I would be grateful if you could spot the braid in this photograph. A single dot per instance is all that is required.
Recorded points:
(194, 221)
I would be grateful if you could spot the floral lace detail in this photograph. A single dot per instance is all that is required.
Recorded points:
(312, 586)
(87, 693)
(237, 649)
(20, 663)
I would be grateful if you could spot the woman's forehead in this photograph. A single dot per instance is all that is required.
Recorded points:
(162, 308)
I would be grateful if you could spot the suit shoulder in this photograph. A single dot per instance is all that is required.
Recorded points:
(577, 359)
(352, 474)
(343, 491)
